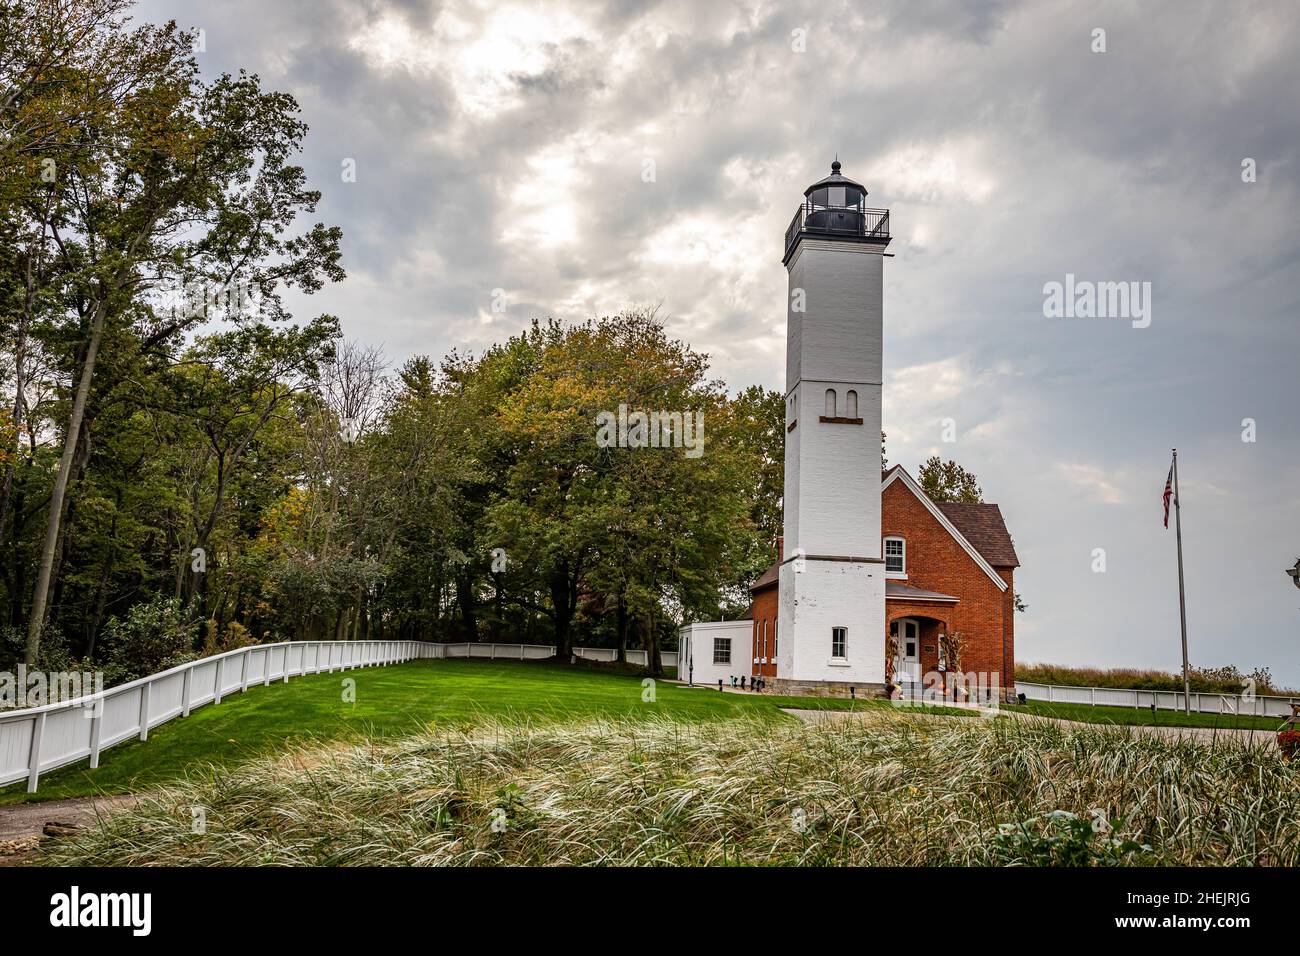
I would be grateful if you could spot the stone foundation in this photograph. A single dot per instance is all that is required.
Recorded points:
(823, 688)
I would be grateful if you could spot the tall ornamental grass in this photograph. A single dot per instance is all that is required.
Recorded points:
(884, 788)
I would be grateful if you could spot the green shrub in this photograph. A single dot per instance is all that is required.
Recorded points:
(232, 638)
(1062, 838)
(1206, 680)
(152, 637)
(53, 656)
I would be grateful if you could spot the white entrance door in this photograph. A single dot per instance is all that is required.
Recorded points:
(907, 667)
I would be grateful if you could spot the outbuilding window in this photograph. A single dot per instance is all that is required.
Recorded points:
(839, 642)
(722, 650)
(895, 556)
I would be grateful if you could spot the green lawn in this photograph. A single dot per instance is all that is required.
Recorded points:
(391, 701)
(1132, 716)
(397, 700)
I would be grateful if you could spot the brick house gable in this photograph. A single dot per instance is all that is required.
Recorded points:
(940, 558)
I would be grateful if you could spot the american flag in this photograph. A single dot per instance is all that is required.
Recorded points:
(1169, 493)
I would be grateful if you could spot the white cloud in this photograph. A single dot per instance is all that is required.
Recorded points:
(1092, 481)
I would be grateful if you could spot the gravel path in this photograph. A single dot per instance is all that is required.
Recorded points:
(22, 824)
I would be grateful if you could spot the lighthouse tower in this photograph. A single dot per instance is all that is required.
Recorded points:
(832, 577)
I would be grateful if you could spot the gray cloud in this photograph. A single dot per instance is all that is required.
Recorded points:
(504, 148)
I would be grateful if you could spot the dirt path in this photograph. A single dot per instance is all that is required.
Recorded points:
(1200, 734)
(23, 824)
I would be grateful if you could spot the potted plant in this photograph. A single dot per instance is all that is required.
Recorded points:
(891, 658)
(1288, 735)
(1288, 741)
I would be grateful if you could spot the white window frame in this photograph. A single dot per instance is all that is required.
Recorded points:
(884, 552)
(722, 643)
(840, 636)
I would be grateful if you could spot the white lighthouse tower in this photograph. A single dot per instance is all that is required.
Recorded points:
(832, 578)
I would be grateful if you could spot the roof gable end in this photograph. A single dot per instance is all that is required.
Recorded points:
(899, 474)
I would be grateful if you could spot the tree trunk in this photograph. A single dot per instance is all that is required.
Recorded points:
(654, 660)
(564, 600)
(40, 596)
(20, 361)
(465, 598)
(105, 576)
(61, 565)
(621, 622)
(498, 600)
(6, 488)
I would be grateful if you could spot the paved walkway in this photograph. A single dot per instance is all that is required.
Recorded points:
(1200, 734)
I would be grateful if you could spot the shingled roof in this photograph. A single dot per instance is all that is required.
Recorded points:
(982, 525)
(769, 577)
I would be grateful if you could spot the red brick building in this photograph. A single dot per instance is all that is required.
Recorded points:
(950, 568)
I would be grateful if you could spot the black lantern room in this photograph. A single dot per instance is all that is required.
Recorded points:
(836, 207)
(835, 203)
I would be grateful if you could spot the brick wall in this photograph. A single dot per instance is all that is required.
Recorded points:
(936, 562)
(766, 604)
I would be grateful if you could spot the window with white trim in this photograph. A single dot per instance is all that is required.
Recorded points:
(839, 642)
(722, 650)
(895, 556)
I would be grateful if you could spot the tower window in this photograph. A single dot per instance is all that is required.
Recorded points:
(895, 556)
(839, 642)
(830, 403)
(851, 404)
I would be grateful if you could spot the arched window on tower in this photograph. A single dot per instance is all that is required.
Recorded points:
(830, 403)
(851, 405)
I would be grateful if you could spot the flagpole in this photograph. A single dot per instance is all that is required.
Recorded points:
(1182, 595)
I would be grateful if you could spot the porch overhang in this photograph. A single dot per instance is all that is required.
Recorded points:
(897, 591)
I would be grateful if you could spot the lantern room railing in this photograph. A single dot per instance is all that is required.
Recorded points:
(854, 222)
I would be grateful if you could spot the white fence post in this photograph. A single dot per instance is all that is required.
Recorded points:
(243, 672)
(221, 676)
(144, 710)
(97, 730)
(38, 731)
(187, 684)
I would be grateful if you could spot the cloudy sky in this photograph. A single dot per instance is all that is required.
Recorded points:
(502, 147)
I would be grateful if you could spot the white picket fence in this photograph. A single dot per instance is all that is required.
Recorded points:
(39, 739)
(36, 740)
(534, 652)
(1205, 703)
